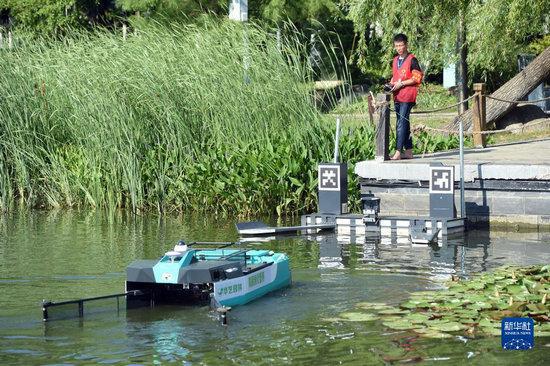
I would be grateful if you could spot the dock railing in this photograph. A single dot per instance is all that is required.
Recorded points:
(382, 109)
(479, 128)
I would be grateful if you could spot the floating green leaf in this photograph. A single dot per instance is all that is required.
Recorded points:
(434, 334)
(372, 305)
(358, 317)
(491, 331)
(487, 323)
(446, 326)
(393, 311)
(399, 324)
(509, 292)
(417, 317)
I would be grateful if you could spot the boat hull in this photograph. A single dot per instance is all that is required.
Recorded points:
(222, 283)
(241, 290)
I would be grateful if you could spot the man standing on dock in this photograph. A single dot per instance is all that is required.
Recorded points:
(405, 81)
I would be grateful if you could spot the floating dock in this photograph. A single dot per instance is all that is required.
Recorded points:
(507, 185)
(353, 224)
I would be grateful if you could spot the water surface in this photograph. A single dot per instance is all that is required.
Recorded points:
(66, 255)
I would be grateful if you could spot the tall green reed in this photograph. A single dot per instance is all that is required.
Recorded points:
(168, 120)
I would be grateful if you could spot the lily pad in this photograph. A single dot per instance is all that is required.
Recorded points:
(417, 318)
(479, 306)
(476, 286)
(473, 298)
(518, 306)
(450, 305)
(399, 324)
(501, 305)
(433, 334)
(467, 313)
(446, 326)
(372, 305)
(516, 289)
(423, 294)
(487, 323)
(491, 331)
(333, 320)
(544, 327)
(475, 306)
(358, 317)
(537, 309)
(410, 304)
(393, 311)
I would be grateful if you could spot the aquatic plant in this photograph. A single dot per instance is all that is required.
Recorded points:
(212, 117)
(168, 119)
(471, 307)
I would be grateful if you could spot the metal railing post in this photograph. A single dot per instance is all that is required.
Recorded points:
(462, 202)
(337, 139)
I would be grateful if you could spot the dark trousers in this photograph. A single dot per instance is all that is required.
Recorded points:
(403, 127)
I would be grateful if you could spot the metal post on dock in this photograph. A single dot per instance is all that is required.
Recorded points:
(337, 139)
(462, 202)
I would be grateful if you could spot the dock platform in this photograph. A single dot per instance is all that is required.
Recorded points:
(508, 185)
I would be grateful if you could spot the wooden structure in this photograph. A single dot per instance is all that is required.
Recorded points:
(382, 152)
(479, 114)
(516, 88)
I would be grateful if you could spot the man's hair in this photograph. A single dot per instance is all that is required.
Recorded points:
(400, 38)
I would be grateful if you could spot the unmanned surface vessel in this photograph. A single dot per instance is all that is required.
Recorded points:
(228, 277)
(221, 276)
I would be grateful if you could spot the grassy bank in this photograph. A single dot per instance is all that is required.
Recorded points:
(167, 119)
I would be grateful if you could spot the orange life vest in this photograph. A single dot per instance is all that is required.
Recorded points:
(407, 93)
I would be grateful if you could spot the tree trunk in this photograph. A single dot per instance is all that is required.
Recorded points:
(462, 49)
(516, 88)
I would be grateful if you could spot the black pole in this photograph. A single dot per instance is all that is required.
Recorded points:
(462, 49)
(45, 310)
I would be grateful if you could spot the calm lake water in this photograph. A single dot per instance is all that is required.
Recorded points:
(67, 255)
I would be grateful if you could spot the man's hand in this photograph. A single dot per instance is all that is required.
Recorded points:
(397, 86)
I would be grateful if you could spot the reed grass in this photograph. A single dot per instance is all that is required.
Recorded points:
(167, 120)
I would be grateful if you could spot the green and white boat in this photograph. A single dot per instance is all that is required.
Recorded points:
(226, 277)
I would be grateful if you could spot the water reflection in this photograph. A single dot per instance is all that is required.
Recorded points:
(62, 256)
(459, 254)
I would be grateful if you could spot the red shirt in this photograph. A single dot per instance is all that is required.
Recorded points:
(405, 72)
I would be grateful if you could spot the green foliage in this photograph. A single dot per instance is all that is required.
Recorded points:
(137, 5)
(164, 120)
(425, 142)
(472, 307)
(298, 11)
(430, 96)
(434, 96)
(539, 45)
(45, 16)
(172, 9)
(496, 29)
